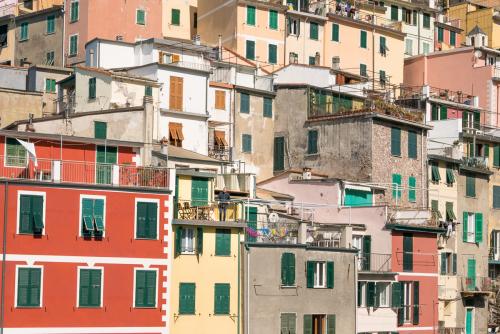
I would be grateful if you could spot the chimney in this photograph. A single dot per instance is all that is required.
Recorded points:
(317, 59)
(346, 236)
(306, 173)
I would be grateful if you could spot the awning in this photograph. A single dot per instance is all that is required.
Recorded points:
(220, 138)
(175, 130)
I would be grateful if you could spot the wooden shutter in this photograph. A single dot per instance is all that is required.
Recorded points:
(176, 93)
(313, 32)
(443, 112)
(382, 45)
(394, 13)
(312, 142)
(140, 288)
(284, 269)
(330, 275)
(178, 241)
(84, 293)
(251, 15)
(412, 144)
(92, 88)
(396, 141)
(279, 154)
(310, 273)
(272, 54)
(268, 107)
(407, 252)
(141, 221)
(363, 39)
(443, 263)
(308, 324)
(251, 217)
(273, 19)
(362, 70)
(470, 186)
(199, 240)
(199, 191)
(187, 298)
(396, 186)
(176, 17)
(95, 288)
(330, 324)
(450, 177)
(222, 298)
(370, 294)
(220, 99)
(396, 295)
(244, 103)
(479, 227)
(416, 303)
(150, 300)
(250, 50)
(99, 216)
(434, 112)
(335, 32)
(471, 273)
(222, 242)
(246, 143)
(412, 193)
(23, 288)
(37, 212)
(87, 216)
(100, 130)
(360, 293)
(496, 156)
(25, 215)
(496, 197)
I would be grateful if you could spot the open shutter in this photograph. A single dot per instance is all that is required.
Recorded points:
(199, 240)
(479, 227)
(416, 303)
(37, 210)
(370, 294)
(454, 265)
(396, 295)
(25, 219)
(87, 215)
(99, 215)
(360, 293)
(443, 263)
(330, 324)
(178, 240)
(308, 324)
(330, 275)
(310, 273)
(464, 226)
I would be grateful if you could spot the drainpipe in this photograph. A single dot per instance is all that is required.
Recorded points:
(238, 277)
(248, 291)
(418, 31)
(4, 255)
(423, 165)
(63, 33)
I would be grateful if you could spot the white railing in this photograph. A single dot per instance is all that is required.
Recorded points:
(82, 172)
(496, 72)
(192, 66)
(234, 182)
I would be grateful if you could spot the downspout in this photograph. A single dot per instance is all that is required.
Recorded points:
(304, 38)
(424, 171)
(64, 33)
(248, 292)
(418, 32)
(4, 255)
(238, 277)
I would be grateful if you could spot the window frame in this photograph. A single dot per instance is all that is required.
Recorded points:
(71, 18)
(386, 291)
(53, 58)
(80, 224)
(30, 193)
(16, 287)
(295, 318)
(78, 269)
(471, 232)
(24, 29)
(407, 295)
(6, 158)
(50, 18)
(147, 200)
(143, 23)
(70, 54)
(319, 276)
(156, 270)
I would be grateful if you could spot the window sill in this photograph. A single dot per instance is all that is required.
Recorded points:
(28, 307)
(31, 234)
(311, 155)
(229, 255)
(72, 55)
(73, 21)
(50, 33)
(23, 40)
(221, 314)
(183, 314)
(288, 287)
(89, 307)
(150, 239)
(188, 253)
(145, 307)
(396, 156)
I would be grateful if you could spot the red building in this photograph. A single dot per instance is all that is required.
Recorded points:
(415, 261)
(85, 236)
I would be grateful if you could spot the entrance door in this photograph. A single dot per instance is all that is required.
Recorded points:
(468, 321)
(106, 157)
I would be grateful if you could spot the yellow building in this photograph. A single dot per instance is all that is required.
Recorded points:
(470, 15)
(205, 286)
(254, 29)
(179, 18)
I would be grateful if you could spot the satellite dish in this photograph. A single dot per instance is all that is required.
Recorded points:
(478, 54)
(273, 217)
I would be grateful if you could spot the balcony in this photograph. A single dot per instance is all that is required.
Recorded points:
(451, 330)
(191, 65)
(373, 262)
(475, 162)
(219, 152)
(242, 183)
(208, 210)
(474, 285)
(82, 172)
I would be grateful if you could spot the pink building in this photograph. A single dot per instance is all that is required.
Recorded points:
(125, 20)
(447, 35)
(472, 71)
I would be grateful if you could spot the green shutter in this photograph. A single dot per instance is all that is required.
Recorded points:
(87, 216)
(308, 324)
(396, 186)
(443, 112)
(251, 218)
(394, 13)
(412, 193)
(28, 287)
(37, 212)
(90, 288)
(464, 226)
(470, 186)
(310, 273)
(99, 216)
(496, 156)
(92, 88)
(145, 288)
(453, 38)
(16, 153)
(288, 269)
(440, 34)
(435, 176)
(251, 15)
(25, 216)
(221, 298)
(396, 295)
(250, 50)
(272, 56)
(396, 141)
(412, 145)
(75, 6)
(330, 275)
(427, 21)
(279, 154)
(450, 177)
(24, 31)
(435, 112)
(471, 274)
(407, 252)
(142, 220)
(313, 31)
(370, 294)
(268, 107)
(73, 45)
(454, 265)
(176, 17)
(100, 130)
(363, 70)
(360, 293)
(288, 321)
(51, 27)
(416, 303)
(187, 298)
(479, 227)
(222, 242)
(330, 324)
(148, 91)
(496, 197)
(246, 143)
(382, 45)
(199, 191)
(450, 214)
(312, 142)
(199, 240)
(244, 103)
(443, 263)
(335, 32)
(152, 220)
(273, 19)
(140, 17)
(178, 241)
(363, 37)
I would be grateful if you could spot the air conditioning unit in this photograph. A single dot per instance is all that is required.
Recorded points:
(336, 62)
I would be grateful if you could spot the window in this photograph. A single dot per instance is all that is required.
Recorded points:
(496, 197)
(362, 42)
(435, 209)
(383, 78)
(176, 93)
(145, 288)
(288, 269)
(51, 24)
(31, 214)
(473, 227)
(407, 252)
(407, 301)
(187, 240)
(175, 136)
(268, 107)
(246, 143)
(293, 26)
(335, 32)
(450, 177)
(49, 59)
(89, 287)
(450, 214)
(394, 13)
(195, 20)
(187, 298)
(408, 47)
(396, 142)
(362, 70)
(496, 156)
(312, 60)
(148, 91)
(221, 298)
(4, 29)
(50, 85)
(382, 46)
(24, 31)
(288, 323)
(319, 323)
(453, 38)
(406, 15)
(146, 220)
(272, 54)
(313, 31)
(74, 11)
(250, 50)
(440, 33)
(412, 186)
(220, 100)
(426, 47)
(73, 45)
(29, 286)
(244, 103)
(92, 88)
(412, 145)
(357, 197)
(273, 20)
(140, 17)
(100, 130)
(312, 142)
(320, 274)
(251, 15)
(382, 291)
(279, 154)
(222, 242)
(175, 17)
(92, 213)
(470, 186)
(448, 263)
(16, 153)
(495, 244)
(435, 176)
(396, 186)
(361, 294)
(427, 21)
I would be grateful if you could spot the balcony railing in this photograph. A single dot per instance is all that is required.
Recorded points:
(81, 172)
(235, 182)
(476, 284)
(208, 210)
(191, 65)
(451, 330)
(374, 262)
(475, 162)
(219, 152)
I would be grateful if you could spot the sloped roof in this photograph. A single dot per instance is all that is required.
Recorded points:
(476, 30)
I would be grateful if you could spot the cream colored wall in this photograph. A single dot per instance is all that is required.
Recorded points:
(16, 105)
(484, 19)
(214, 19)
(184, 190)
(305, 47)
(7, 53)
(205, 270)
(186, 28)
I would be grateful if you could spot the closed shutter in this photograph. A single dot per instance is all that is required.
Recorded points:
(150, 300)
(199, 240)
(440, 34)
(221, 298)
(330, 324)
(370, 294)
(427, 21)
(246, 143)
(312, 142)
(435, 112)
(308, 324)
(360, 293)
(272, 56)
(75, 6)
(443, 112)
(148, 91)
(222, 242)
(452, 38)
(140, 288)
(416, 303)
(288, 325)
(279, 154)
(152, 220)
(407, 252)
(310, 273)
(244, 103)
(25, 215)
(394, 13)
(288, 269)
(85, 288)
(367, 248)
(140, 17)
(362, 70)
(199, 191)
(335, 32)
(454, 264)
(470, 186)
(396, 186)
(92, 88)
(443, 263)
(412, 144)
(95, 288)
(313, 32)
(187, 298)
(28, 287)
(220, 99)
(330, 275)
(51, 27)
(178, 241)
(396, 295)
(251, 15)
(268, 107)
(100, 130)
(362, 42)
(176, 93)
(496, 197)
(73, 45)
(471, 274)
(479, 227)
(251, 217)
(273, 19)
(250, 50)
(396, 141)
(176, 17)
(412, 192)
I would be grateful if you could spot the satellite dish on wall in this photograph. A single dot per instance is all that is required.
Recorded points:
(478, 53)
(273, 217)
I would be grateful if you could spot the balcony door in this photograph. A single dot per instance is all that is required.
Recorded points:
(106, 157)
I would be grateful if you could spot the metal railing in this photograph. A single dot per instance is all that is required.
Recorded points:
(475, 162)
(451, 330)
(201, 209)
(65, 104)
(219, 152)
(475, 284)
(82, 172)
(374, 262)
